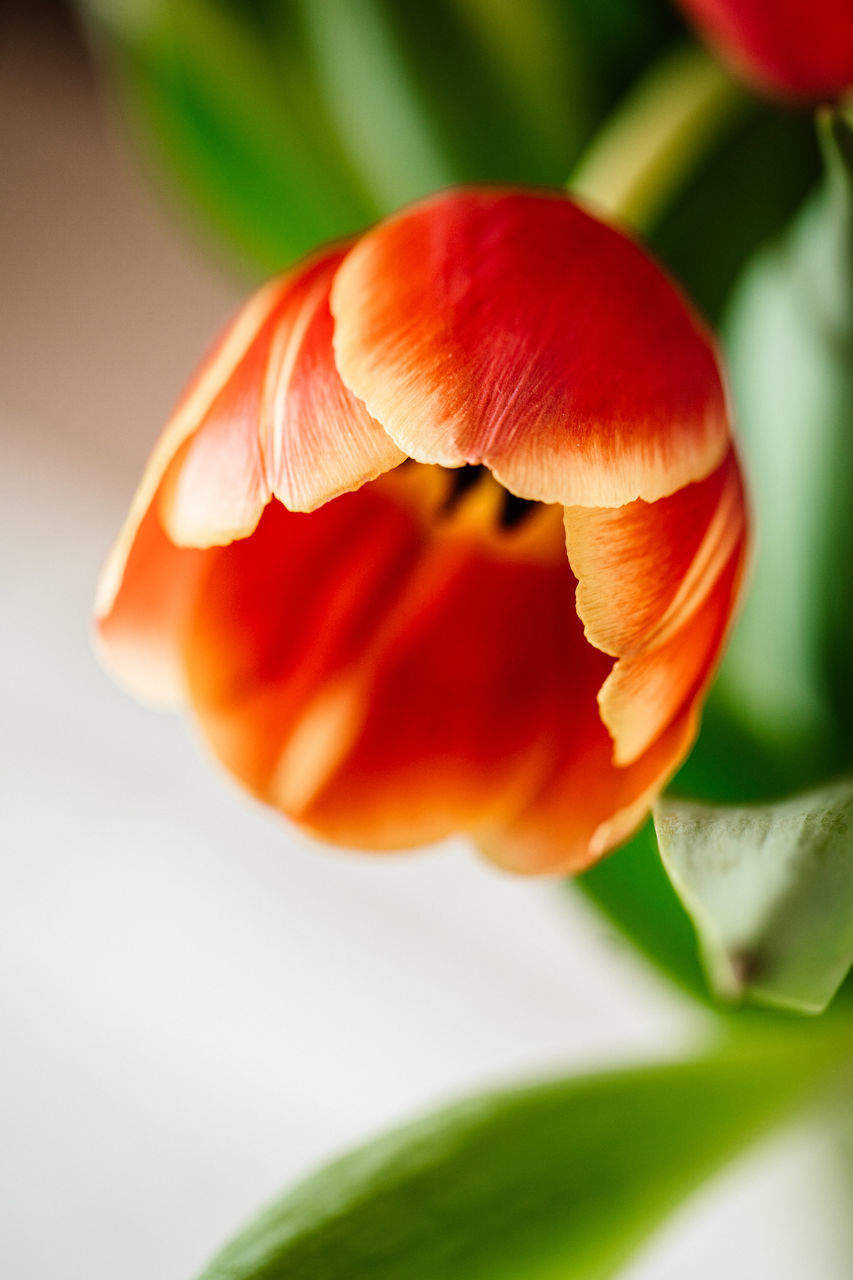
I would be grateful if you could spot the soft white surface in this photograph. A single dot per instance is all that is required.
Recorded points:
(196, 1005)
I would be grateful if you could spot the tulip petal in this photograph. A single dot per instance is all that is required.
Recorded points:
(396, 667)
(145, 585)
(789, 47)
(643, 568)
(214, 374)
(588, 805)
(478, 674)
(266, 414)
(140, 623)
(322, 440)
(656, 586)
(645, 691)
(282, 614)
(515, 330)
(283, 425)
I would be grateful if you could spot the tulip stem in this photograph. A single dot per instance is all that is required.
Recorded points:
(656, 138)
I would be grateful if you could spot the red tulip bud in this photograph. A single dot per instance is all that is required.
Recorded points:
(348, 554)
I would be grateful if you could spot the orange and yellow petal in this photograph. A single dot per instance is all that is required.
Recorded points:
(210, 382)
(512, 329)
(475, 667)
(266, 414)
(284, 614)
(400, 665)
(657, 584)
(284, 425)
(141, 620)
(643, 568)
(646, 690)
(657, 587)
(587, 805)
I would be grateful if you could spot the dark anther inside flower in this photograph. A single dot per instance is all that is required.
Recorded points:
(349, 557)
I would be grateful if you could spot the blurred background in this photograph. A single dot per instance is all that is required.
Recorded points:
(197, 1005)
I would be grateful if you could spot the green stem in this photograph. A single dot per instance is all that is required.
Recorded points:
(656, 138)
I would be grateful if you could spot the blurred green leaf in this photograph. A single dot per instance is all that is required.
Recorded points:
(788, 675)
(633, 891)
(475, 90)
(561, 1180)
(246, 133)
(743, 193)
(770, 891)
(290, 122)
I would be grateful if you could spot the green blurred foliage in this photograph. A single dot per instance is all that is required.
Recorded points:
(632, 889)
(285, 123)
(742, 194)
(241, 126)
(563, 1180)
(785, 692)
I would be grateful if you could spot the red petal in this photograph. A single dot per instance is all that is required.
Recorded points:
(144, 588)
(476, 674)
(515, 330)
(266, 413)
(646, 690)
(658, 584)
(141, 622)
(589, 805)
(283, 424)
(283, 614)
(389, 671)
(215, 373)
(656, 590)
(643, 568)
(788, 46)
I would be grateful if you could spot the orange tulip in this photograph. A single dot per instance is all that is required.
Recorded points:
(348, 552)
(793, 48)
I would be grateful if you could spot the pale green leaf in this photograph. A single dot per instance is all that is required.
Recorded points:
(770, 891)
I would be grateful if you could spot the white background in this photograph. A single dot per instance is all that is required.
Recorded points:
(197, 1005)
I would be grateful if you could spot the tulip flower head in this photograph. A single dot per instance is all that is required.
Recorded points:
(348, 554)
(793, 48)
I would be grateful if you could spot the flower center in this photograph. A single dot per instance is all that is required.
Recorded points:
(513, 511)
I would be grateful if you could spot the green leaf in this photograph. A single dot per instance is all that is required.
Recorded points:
(240, 123)
(290, 122)
(633, 891)
(474, 90)
(742, 195)
(770, 891)
(788, 674)
(733, 764)
(557, 1182)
